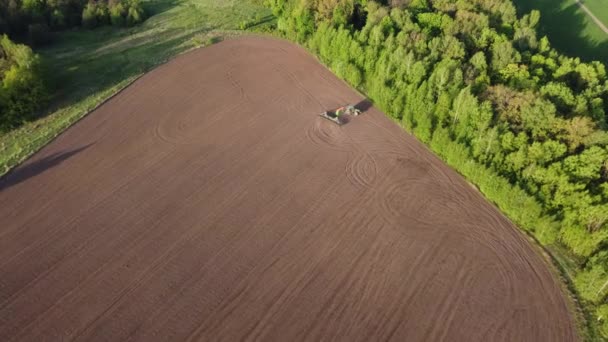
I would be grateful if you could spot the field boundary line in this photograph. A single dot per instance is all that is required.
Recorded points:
(52, 138)
(599, 23)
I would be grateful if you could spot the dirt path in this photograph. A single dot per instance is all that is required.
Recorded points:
(209, 201)
(592, 16)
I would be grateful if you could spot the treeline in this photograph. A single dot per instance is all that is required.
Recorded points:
(476, 83)
(22, 91)
(115, 12)
(35, 19)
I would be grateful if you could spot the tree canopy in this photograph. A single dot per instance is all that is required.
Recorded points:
(35, 19)
(22, 91)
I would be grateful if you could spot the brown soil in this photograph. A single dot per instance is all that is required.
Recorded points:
(210, 201)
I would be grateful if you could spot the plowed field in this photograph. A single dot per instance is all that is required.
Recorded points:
(209, 201)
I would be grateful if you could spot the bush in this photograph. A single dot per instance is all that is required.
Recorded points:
(118, 14)
(133, 17)
(102, 14)
(135, 13)
(245, 24)
(89, 16)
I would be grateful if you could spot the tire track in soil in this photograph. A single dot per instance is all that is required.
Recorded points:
(295, 285)
(361, 170)
(243, 161)
(326, 135)
(316, 206)
(159, 260)
(183, 130)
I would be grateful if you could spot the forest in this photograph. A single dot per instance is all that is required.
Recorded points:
(36, 19)
(477, 84)
(32, 22)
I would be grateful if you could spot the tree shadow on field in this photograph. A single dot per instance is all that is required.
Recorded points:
(29, 170)
(568, 28)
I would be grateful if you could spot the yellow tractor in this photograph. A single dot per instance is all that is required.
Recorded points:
(334, 115)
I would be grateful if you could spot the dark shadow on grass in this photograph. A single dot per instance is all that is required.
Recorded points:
(81, 80)
(564, 23)
(265, 20)
(107, 57)
(37, 167)
(155, 7)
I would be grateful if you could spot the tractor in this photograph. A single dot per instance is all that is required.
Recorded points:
(334, 115)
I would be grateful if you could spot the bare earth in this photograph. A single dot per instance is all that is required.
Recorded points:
(209, 201)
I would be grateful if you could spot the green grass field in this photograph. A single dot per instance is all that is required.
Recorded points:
(84, 67)
(599, 9)
(569, 28)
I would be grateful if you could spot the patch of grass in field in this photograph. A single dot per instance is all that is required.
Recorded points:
(84, 67)
(569, 28)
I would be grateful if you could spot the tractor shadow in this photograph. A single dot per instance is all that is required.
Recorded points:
(345, 119)
(364, 105)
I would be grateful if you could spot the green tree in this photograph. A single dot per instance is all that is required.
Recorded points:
(503, 54)
(22, 91)
(118, 14)
(559, 94)
(586, 167)
(525, 31)
(89, 15)
(102, 13)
